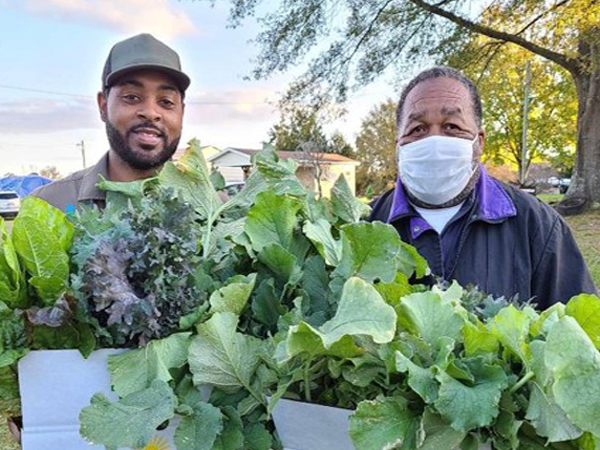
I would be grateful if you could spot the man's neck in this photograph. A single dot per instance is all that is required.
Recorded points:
(119, 170)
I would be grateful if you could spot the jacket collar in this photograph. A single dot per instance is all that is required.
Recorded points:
(494, 204)
(88, 190)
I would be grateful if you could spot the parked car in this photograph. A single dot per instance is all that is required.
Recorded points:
(564, 184)
(554, 181)
(9, 204)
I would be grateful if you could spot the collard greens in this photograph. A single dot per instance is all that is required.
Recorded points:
(275, 293)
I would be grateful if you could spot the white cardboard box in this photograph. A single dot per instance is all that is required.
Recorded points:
(305, 426)
(55, 385)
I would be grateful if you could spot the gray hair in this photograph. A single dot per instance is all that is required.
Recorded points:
(442, 72)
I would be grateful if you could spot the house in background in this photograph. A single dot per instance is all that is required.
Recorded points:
(207, 150)
(235, 166)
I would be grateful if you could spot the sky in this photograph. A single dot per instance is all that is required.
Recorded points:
(51, 57)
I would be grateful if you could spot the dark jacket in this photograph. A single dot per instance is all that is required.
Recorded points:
(78, 188)
(502, 240)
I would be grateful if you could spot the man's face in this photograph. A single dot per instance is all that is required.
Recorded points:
(143, 113)
(439, 106)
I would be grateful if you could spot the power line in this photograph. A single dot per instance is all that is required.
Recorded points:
(11, 144)
(200, 102)
(189, 102)
(65, 94)
(41, 91)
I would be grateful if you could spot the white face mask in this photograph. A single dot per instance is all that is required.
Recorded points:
(437, 168)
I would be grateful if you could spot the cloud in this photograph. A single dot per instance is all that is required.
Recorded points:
(245, 105)
(130, 16)
(223, 108)
(44, 131)
(45, 115)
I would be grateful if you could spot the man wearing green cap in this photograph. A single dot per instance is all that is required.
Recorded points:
(141, 105)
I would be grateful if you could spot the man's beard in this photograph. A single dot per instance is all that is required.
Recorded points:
(119, 144)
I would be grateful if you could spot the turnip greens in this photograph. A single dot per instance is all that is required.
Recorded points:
(274, 294)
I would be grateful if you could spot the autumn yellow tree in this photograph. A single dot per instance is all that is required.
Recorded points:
(376, 149)
(551, 111)
(360, 40)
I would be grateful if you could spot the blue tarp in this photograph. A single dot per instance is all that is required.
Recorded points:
(23, 185)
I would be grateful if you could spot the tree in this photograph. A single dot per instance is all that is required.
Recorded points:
(51, 172)
(300, 129)
(404, 33)
(298, 126)
(551, 134)
(338, 144)
(376, 149)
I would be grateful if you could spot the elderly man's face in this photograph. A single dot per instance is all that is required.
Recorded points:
(439, 106)
(143, 113)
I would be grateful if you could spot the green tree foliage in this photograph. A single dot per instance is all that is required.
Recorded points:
(299, 126)
(51, 172)
(338, 144)
(376, 149)
(353, 42)
(551, 134)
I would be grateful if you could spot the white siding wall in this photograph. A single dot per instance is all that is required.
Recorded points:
(232, 174)
(231, 159)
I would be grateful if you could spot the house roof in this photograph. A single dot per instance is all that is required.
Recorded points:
(301, 157)
(180, 151)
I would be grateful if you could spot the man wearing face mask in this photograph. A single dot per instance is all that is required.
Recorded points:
(469, 226)
(141, 104)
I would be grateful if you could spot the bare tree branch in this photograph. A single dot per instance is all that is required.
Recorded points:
(558, 58)
(499, 45)
(541, 15)
(367, 30)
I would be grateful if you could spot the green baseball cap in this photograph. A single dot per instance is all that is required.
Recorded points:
(141, 52)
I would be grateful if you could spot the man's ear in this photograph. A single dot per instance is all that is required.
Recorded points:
(480, 144)
(102, 106)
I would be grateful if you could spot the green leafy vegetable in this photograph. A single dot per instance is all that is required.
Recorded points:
(585, 309)
(548, 418)
(372, 251)
(199, 430)
(347, 207)
(132, 421)
(426, 315)
(272, 220)
(575, 366)
(225, 308)
(42, 236)
(384, 423)
(222, 357)
(136, 369)
(468, 407)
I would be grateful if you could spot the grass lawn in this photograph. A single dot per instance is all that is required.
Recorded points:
(586, 229)
(550, 198)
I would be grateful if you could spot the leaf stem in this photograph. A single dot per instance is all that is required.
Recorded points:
(307, 381)
(528, 376)
(206, 243)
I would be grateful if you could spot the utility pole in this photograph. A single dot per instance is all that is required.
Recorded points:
(524, 155)
(82, 145)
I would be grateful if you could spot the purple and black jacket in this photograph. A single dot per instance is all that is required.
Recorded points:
(502, 240)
